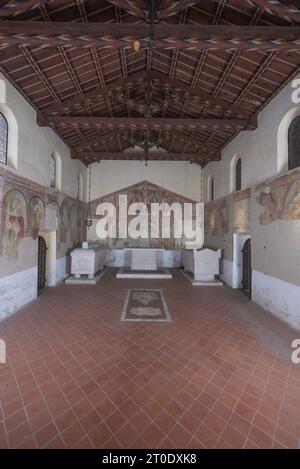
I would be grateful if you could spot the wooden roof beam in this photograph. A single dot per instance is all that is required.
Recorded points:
(166, 36)
(97, 156)
(126, 137)
(165, 81)
(124, 123)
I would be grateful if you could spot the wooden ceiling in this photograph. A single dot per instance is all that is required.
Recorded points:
(176, 80)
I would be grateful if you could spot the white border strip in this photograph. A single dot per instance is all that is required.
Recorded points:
(167, 313)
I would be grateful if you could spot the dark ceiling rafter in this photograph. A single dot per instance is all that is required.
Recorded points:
(109, 138)
(167, 8)
(14, 7)
(165, 82)
(167, 36)
(85, 122)
(90, 157)
(136, 8)
(205, 79)
(288, 10)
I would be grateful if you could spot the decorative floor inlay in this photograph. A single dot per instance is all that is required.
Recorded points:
(145, 305)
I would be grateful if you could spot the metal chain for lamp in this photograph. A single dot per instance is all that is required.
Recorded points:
(89, 219)
(152, 8)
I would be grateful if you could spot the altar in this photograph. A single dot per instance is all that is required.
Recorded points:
(144, 263)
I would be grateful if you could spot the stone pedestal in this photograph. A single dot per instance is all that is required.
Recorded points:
(85, 263)
(202, 266)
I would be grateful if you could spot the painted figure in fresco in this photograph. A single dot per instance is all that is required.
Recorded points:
(64, 222)
(15, 223)
(36, 215)
(279, 203)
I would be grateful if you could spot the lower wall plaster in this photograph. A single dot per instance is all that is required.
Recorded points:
(280, 298)
(16, 290)
(62, 268)
(227, 274)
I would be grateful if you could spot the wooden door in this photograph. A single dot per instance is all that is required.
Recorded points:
(247, 270)
(42, 250)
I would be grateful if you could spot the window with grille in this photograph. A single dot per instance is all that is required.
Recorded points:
(238, 175)
(52, 171)
(294, 143)
(3, 139)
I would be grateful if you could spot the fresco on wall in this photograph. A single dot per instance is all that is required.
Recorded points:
(280, 199)
(35, 218)
(22, 212)
(217, 218)
(15, 222)
(64, 221)
(147, 193)
(241, 211)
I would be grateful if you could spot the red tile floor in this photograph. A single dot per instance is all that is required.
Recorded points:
(219, 376)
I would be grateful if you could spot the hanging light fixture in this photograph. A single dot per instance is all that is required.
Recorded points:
(89, 218)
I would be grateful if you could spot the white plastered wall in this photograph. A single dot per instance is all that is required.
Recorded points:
(264, 155)
(29, 150)
(180, 177)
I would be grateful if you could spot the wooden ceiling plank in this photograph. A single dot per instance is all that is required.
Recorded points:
(90, 96)
(281, 9)
(206, 98)
(14, 7)
(135, 8)
(169, 8)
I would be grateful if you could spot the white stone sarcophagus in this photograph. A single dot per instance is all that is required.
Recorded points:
(88, 261)
(204, 264)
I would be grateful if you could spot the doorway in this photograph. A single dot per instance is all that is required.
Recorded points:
(42, 251)
(247, 269)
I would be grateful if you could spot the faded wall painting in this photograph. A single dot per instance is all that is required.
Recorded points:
(217, 218)
(22, 213)
(241, 211)
(279, 199)
(14, 223)
(147, 193)
(36, 214)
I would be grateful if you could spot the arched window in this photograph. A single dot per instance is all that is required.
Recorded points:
(3, 139)
(80, 186)
(238, 175)
(210, 188)
(294, 144)
(53, 171)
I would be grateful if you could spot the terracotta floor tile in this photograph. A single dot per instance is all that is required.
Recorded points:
(153, 435)
(165, 422)
(46, 434)
(127, 435)
(19, 435)
(212, 378)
